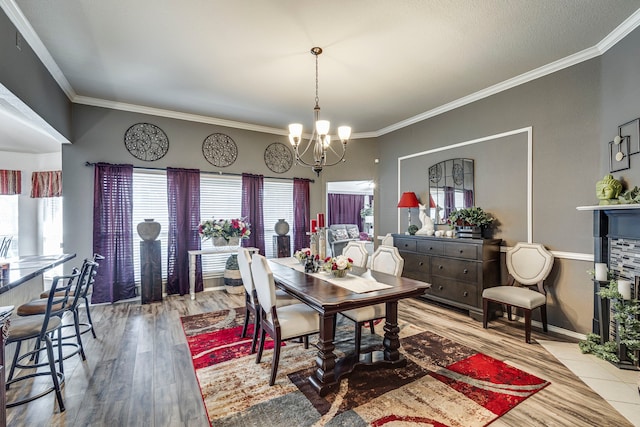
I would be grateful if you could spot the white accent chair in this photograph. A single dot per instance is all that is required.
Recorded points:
(386, 259)
(251, 299)
(387, 240)
(357, 252)
(528, 264)
(281, 323)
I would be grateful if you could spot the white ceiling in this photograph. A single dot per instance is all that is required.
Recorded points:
(246, 64)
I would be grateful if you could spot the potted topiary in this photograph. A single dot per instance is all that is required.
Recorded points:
(470, 222)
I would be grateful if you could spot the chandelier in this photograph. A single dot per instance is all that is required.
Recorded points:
(319, 144)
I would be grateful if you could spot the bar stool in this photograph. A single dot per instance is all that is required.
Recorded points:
(38, 307)
(40, 328)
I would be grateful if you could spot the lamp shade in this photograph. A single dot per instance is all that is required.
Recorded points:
(432, 203)
(408, 200)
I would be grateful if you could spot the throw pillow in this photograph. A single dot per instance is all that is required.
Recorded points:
(340, 234)
(354, 233)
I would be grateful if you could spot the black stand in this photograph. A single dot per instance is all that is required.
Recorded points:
(282, 246)
(150, 271)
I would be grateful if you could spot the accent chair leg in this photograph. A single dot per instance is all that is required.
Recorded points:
(509, 312)
(485, 312)
(246, 321)
(527, 325)
(256, 330)
(373, 331)
(543, 316)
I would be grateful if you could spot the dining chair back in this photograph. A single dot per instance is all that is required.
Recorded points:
(528, 265)
(387, 259)
(251, 298)
(281, 323)
(357, 253)
(387, 240)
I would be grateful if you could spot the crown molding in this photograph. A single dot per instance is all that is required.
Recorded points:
(29, 34)
(19, 20)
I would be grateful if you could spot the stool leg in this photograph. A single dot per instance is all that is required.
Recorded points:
(15, 360)
(76, 325)
(54, 375)
(86, 305)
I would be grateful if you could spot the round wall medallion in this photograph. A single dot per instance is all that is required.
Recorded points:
(458, 174)
(278, 157)
(435, 173)
(219, 150)
(146, 142)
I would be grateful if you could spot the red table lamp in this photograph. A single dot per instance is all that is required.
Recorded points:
(408, 200)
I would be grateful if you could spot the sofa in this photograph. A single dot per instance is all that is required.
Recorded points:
(338, 235)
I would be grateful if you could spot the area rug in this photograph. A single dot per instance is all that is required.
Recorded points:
(444, 383)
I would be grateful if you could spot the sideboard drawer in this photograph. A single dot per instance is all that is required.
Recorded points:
(430, 247)
(416, 264)
(405, 244)
(457, 269)
(461, 250)
(463, 293)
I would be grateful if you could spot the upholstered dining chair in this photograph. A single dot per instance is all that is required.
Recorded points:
(528, 265)
(387, 240)
(357, 252)
(251, 299)
(385, 259)
(281, 323)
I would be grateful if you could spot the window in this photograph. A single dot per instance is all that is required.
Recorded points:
(9, 222)
(51, 230)
(220, 197)
(277, 204)
(150, 201)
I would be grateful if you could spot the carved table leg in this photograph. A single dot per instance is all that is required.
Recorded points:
(325, 377)
(391, 340)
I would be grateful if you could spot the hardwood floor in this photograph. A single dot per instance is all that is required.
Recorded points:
(138, 371)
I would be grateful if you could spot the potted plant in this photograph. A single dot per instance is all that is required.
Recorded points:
(470, 222)
(224, 231)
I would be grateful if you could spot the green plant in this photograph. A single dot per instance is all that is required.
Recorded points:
(631, 196)
(473, 216)
(626, 315)
(366, 212)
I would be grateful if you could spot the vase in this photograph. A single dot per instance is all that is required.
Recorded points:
(149, 230)
(339, 273)
(234, 241)
(219, 241)
(232, 277)
(281, 228)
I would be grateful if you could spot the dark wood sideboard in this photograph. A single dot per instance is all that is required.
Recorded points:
(458, 269)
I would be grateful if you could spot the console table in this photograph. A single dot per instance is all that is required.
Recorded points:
(458, 269)
(213, 250)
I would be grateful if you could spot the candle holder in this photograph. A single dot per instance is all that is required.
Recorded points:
(322, 243)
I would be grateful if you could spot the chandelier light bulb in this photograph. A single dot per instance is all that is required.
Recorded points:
(322, 126)
(344, 133)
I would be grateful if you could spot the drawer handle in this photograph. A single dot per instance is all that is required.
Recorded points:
(465, 271)
(440, 267)
(406, 245)
(421, 263)
(430, 248)
(461, 250)
(440, 288)
(466, 294)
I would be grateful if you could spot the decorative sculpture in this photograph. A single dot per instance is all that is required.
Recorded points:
(608, 189)
(427, 223)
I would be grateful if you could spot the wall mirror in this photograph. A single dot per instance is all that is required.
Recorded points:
(450, 188)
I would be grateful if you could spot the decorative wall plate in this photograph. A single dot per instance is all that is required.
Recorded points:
(435, 173)
(146, 142)
(219, 150)
(278, 157)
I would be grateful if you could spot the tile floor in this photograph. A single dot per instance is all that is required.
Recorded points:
(617, 386)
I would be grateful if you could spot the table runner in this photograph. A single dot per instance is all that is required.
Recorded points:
(358, 284)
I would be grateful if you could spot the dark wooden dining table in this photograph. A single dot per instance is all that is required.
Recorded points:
(328, 299)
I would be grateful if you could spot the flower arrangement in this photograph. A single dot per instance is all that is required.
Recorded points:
(473, 216)
(225, 228)
(341, 262)
(302, 254)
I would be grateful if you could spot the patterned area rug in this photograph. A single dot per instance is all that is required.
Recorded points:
(443, 384)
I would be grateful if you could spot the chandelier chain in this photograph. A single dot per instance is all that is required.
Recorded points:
(317, 98)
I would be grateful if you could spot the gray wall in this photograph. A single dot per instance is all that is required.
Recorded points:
(98, 137)
(573, 113)
(24, 75)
